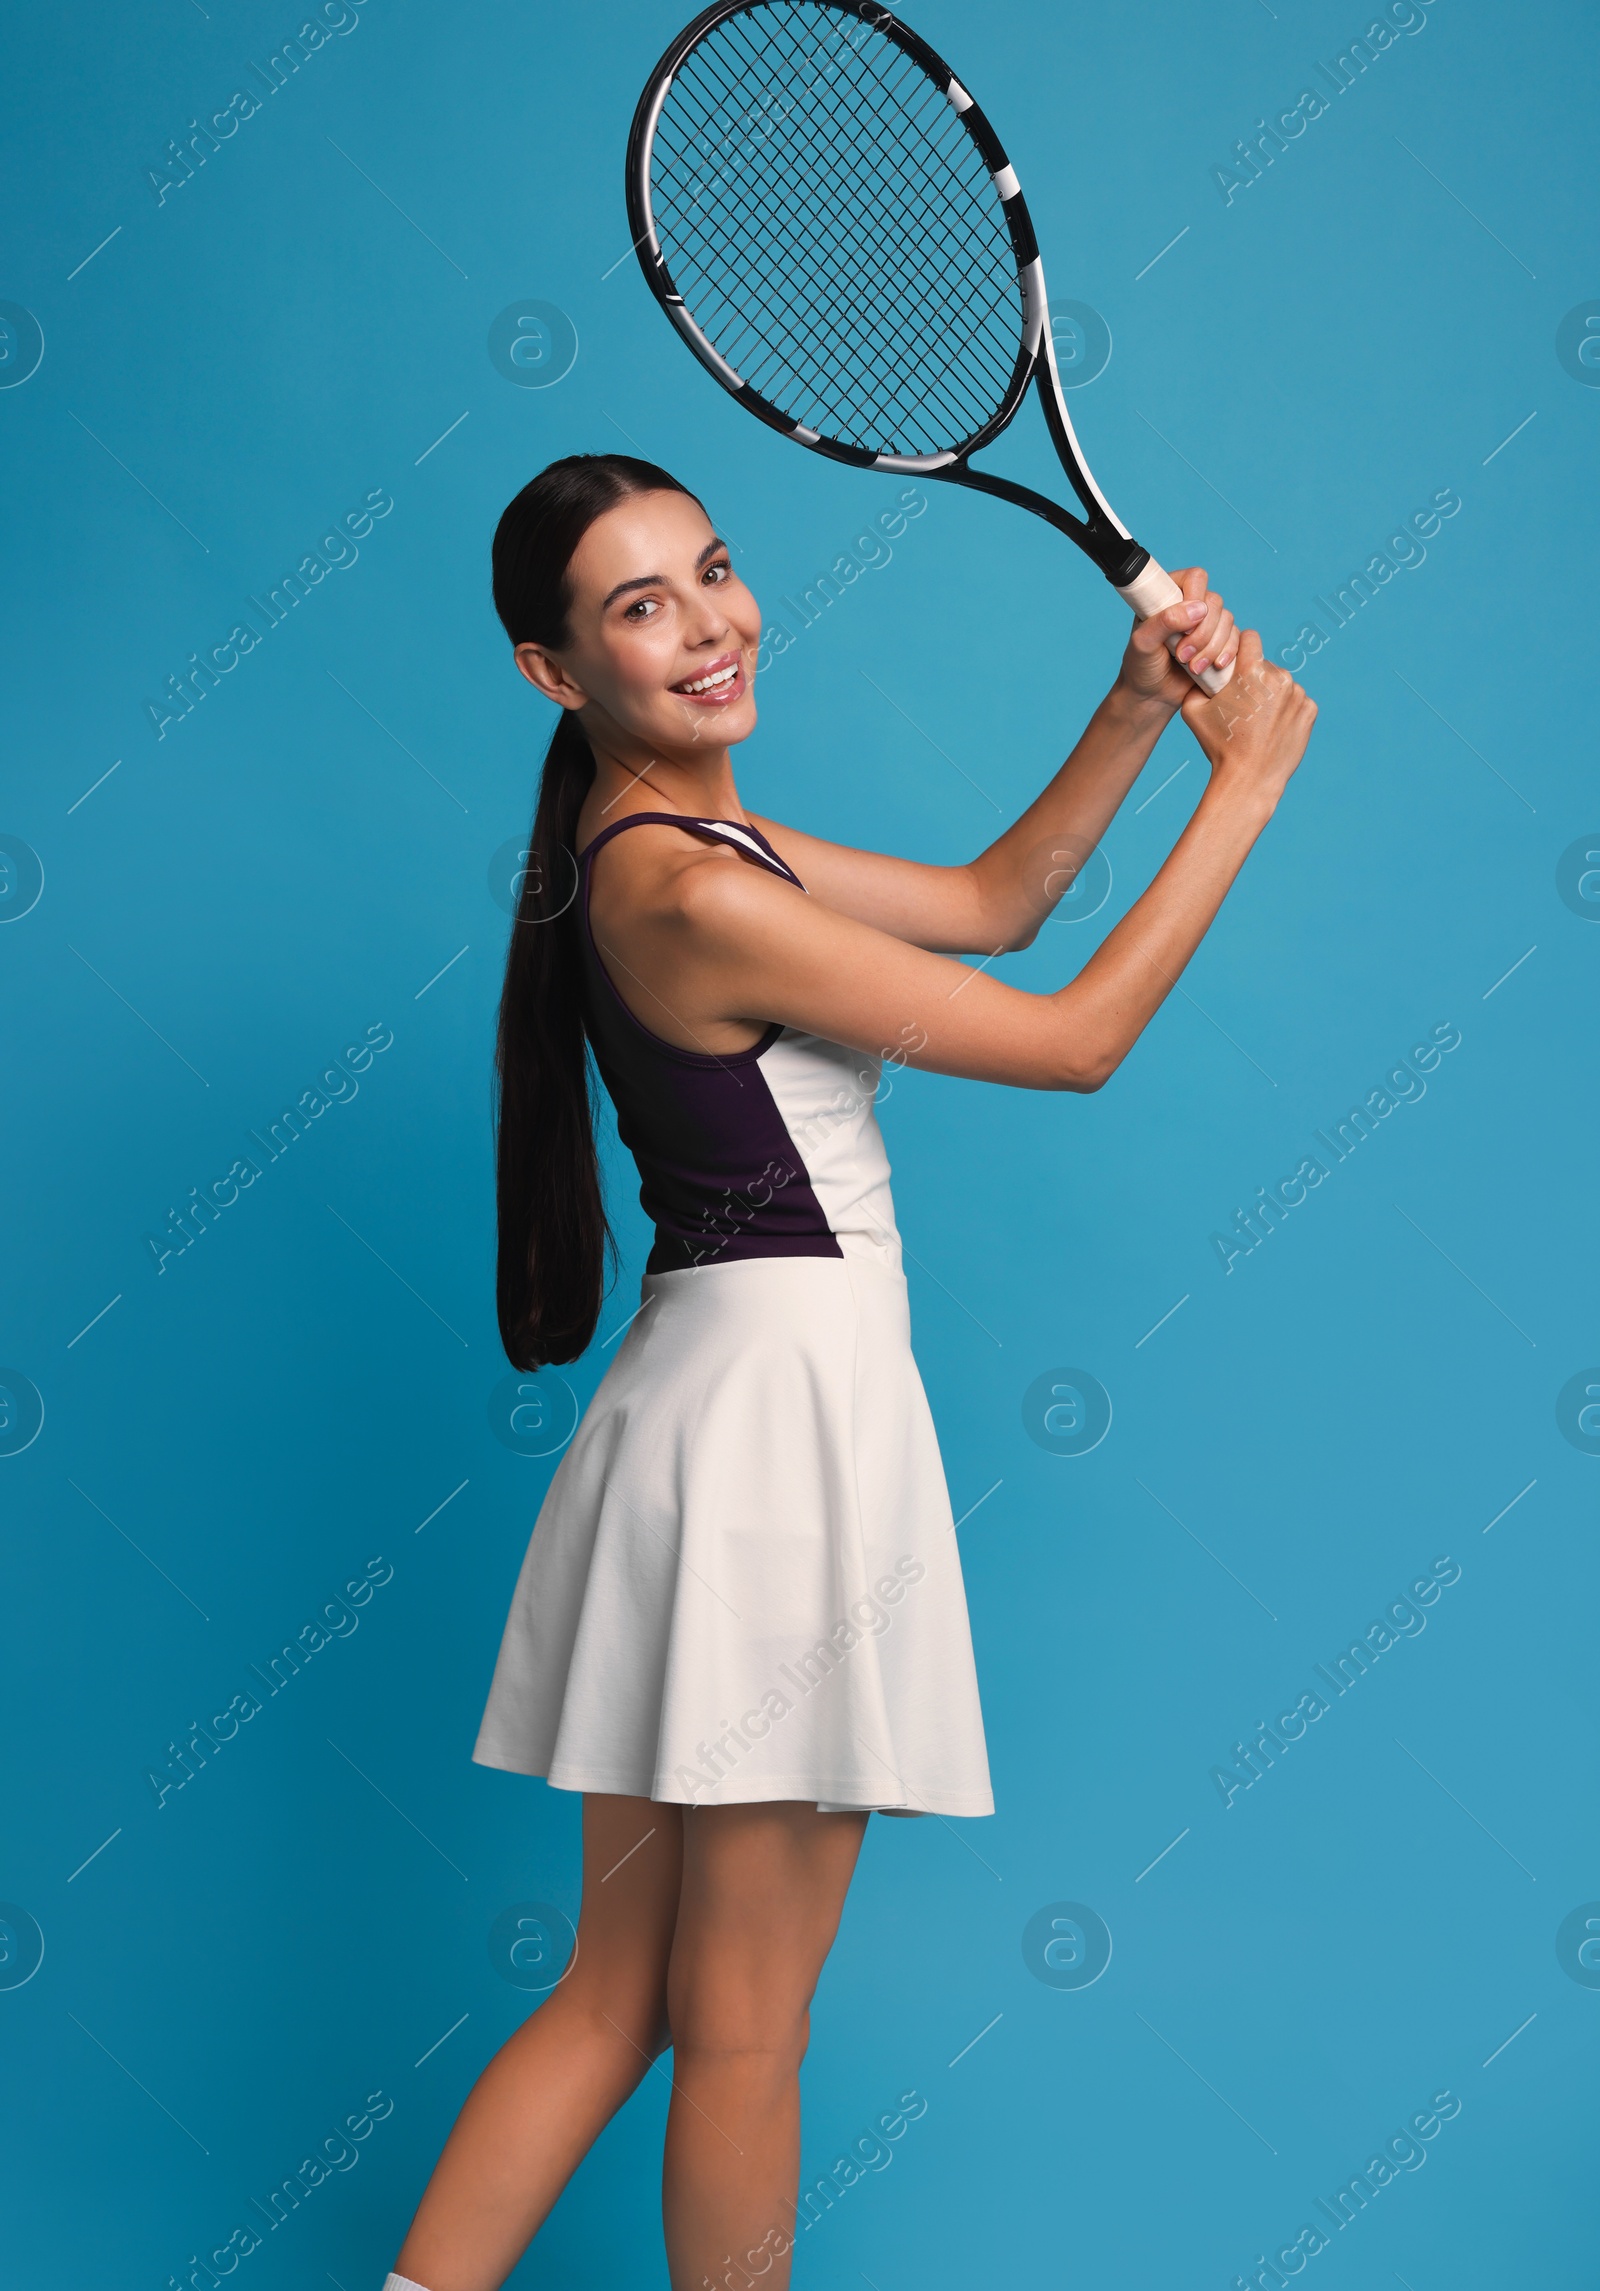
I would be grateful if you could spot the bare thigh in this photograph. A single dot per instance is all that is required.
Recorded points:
(632, 1875)
(762, 1891)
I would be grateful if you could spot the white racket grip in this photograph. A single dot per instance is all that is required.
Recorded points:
(1152, 592)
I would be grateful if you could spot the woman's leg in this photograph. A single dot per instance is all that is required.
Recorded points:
(549, 2091)
(763, 1888)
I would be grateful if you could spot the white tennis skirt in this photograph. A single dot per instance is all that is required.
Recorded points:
(743, 1583)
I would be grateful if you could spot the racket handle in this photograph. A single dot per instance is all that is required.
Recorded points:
(1152, 592)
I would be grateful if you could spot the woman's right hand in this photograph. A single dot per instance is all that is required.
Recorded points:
(1253, 732)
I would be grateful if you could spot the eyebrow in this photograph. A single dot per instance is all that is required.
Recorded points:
(659, 580)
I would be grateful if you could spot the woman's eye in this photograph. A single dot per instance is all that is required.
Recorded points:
(641, 609)
(721, 571)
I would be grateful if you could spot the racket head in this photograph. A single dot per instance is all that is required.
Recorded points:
(832, 225)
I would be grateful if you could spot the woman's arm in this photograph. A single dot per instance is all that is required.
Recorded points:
(998, 900)
(740, 945)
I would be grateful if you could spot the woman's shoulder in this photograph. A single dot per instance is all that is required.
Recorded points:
(661, 869)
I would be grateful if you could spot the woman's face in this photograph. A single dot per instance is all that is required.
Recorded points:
(662, 635)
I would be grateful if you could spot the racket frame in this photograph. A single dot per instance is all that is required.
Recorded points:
(1099, 533)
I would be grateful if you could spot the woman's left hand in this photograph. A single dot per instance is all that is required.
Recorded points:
(1207, 639)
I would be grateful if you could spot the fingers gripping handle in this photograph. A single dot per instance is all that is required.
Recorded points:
(1151, 593)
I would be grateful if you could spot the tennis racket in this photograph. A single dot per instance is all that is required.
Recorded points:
(831, 224)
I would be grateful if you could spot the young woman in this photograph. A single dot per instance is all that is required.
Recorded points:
(740, 1627)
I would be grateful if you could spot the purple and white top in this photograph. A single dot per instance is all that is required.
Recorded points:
(774, 1151)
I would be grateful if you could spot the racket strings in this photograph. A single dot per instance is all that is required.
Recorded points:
(774, 209)
(834, 231)
(770, 214)
(908, 87)
(836, 309)
(768, 370)
(914, 257)
(827, 308)
(873, 277)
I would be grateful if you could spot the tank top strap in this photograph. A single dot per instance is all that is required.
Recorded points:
(737, 833)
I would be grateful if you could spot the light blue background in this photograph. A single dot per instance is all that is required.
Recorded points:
(237, 1969)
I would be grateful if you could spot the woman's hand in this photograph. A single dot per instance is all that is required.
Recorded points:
(1254, 732)
(1204, 624)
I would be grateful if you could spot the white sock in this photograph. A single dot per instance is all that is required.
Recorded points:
(401, 2283)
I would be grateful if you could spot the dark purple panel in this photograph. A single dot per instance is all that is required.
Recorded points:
(720, 1176)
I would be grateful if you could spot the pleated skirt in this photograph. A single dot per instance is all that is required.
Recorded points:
(743, 1583)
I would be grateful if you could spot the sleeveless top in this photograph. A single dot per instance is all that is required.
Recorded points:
(774, 1151)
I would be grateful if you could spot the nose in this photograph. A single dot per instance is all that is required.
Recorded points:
(707, 623)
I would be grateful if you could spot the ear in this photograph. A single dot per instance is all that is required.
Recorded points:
(544, 671)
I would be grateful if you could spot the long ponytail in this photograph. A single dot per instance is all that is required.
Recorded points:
(553, 1235)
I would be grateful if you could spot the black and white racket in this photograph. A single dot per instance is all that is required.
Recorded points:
(830, 222)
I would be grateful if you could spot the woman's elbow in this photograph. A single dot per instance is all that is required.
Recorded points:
(1084, 1070)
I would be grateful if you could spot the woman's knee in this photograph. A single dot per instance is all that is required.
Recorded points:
(629, 2033)
(715, 2019)
(626, 1999)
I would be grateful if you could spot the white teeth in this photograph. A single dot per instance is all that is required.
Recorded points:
(710, 683)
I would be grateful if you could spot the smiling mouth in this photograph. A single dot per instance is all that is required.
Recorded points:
(721, 681)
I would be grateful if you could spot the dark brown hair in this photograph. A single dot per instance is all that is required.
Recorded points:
(553, 1234)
